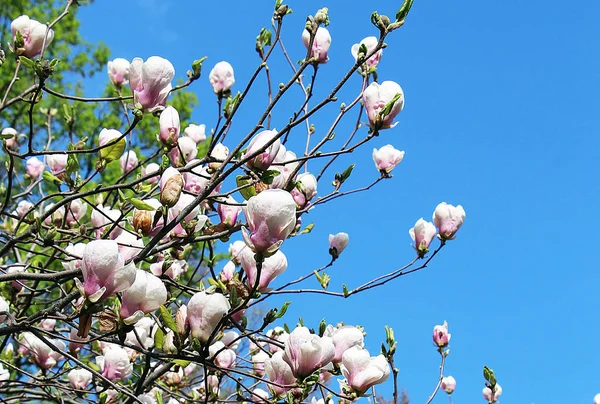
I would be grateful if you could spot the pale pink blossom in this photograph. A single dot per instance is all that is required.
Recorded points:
(448, 384)
(4, 374)
(104, 218)
(277, 334)
(183, 152)
(150, 81)
(204, 312)
(387, 158)
(376, 97)
(279, 371)
(196, 132)
(227, 272)
(218, 154)
(80, 378)
(17, 285)
(441, 336)
(196, 179)
(55, 217)
(487, 393)
(370, 43)
(320, 45)
(344, 338)
(171, 185)
(285, 169)
(108, 136)
(115, 364)
(36, 36)
(363, 371)
(74, 250)
(118, 71)
(129, 161)
(231, 339)
(258, 358)
(222, 356)
(145, 295)
(57, 162)
(40, 353)
(11, 143)
(35, 167)
(267, 154)
(149, 169)
(129, 245)
(169, 126)
(228, 210)
(76, 212)
(221, 77)
(184, 201)
(48, 324)
(23, 208)
(306, 352)
(448, 219)
(337, 243)
(235, 249)
(422, 234)
(305, 189)
(272, 267)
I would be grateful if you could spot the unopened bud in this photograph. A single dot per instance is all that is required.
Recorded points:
(142, 221)
(171, 184)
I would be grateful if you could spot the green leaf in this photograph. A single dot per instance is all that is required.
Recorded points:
(269, 175)
(114, 151)
(346, 174)
(308, 228)
(246, 192)
(49, 177)
(282, 310)
(159, 339)
(6, 136)
(181, 362)
(197, 67)
(404, 10)
(140, 205)
(345, 289)
(72, 163)
(28, 63)
(167, 318)
(388, 107)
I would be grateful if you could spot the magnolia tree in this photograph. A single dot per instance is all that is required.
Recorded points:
(134, 256)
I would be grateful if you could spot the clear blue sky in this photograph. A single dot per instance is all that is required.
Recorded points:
(501, 116)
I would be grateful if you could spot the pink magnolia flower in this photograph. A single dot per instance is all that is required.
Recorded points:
(105, 217)
(271, 217)
(363, 371)
(228, 211)
(129, 161)
(258, 358)
(448, 384)
(320, 45)
(219, 154)
(33, 33)
(264, 159)
(35, 167)
(174, 271)
(40, 353)
(11, 143)
(75, 250)
(129, 245)
(448, 220)
(221, 77)
(145, 295)
(184, 151)
(285, 169)
(181, 320)
(597, 399)
(4, 374)
(222, 356)
(279, 371)
(196, 132)
(259, 396)
(108, 135)
(149, 169)
(196, 179)
(118, 71)
(55, 217)
(344, 338)
(227, 272)
(17, 285)
(387, 158)
(57, 162)
(76, 342)
(337, 243)
(487, 393)
(23, 208)
(104, 271)
(277, 334)
(4, 309)
(272, 267)
(80, 378)
(184, 201)
(375, 99)
(150, 81)
(115, 364)
(305, 189)
(169, 126)
(441, 336)
(204, 312)
(235, 249)
(171, 185)
(231, 339)
(422, 234)
(370, 42)
(48, 324)
(76, 212)
(306, 352)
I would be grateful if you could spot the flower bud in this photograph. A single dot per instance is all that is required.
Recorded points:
(219, 153)
(35, 39)
(150, 81)
(448, 220)
(171, 184)
(441, 336)
(129, 161)
(23, 208)
(305, 189)
(337, 244)
(272, 267)
(39, 353)
(77, 210)
(35, 167)
(17, 285)
(227, 272)
(370, 43)
(221, 78)
(146, 294)
(422, 234)
(263, 160)
(169, 126)
(196, 132)
(235, 249)
(204, 312)
(320, 45)
(56, 217)
(487, 393)
(279, 372)
(11, 143)
(80, 378)
(448, 384)
(228, 211)
(118, 71)
(143, 220)
(184, 151)
(223, 357)
(149, 169)
(181, 321)
(57, 162)
(387, 158)
(376, 98)
(115, 364)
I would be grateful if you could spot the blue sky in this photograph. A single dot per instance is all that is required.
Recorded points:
(500, 116)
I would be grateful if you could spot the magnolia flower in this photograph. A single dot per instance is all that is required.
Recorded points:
(169, 126)
(171, 185)
(140, 337)
(212, 381)
(36, 36)
(277, 334)
(11, 143)
(76, 250)
(306, 352)
(55, 217)
(181, 320)
(320, 45)
(448, 220)
(48, 324)
(305, 189)
(17, 285)
(387, 158)
(40, 353)
(35, 167)
(259, 396)
(196, 132)
(487, 393)
(118, 71)
(184, 201)
(271, 217)
(375, 99)
(150, 81)
(337, 243)
(129, 245)
(4, 374)
(266, 153)
(80, 378)
(105, 217)
(57, 162)
(363, 371)
(422, 234)
(23, 207)
(227, 272)
(175, 270)
(143, 220)
(219, 153)
(370, 43)
(115, 363)
(235, 249)
(108, 136)
(228, 211)
(149, 169)
(285, 169)
(279, 371)
(204, 312)
(597, 399)
(344, 338)
(184, 151)
(104, 271)
(272, 267)
(4, 309)
(258, 358)
(76, 343)
(77, 210)
(129, 161)
(222, 356)
(146, 294)
(441, 336)
(196, 179)
(448, 384)
(231, 339)
(221, 77)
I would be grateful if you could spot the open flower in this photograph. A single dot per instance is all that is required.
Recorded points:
(33, 33)
(118, 71)
(272, 266)
(115, 364)
(35, 167)
(279, 371)
(150, 81)
(144, 296)
(80, 378)
(306, 352)
(375, 99)
(448, 220)
(387, 158)
(40, 353)
(363, 371)
(204, 312)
